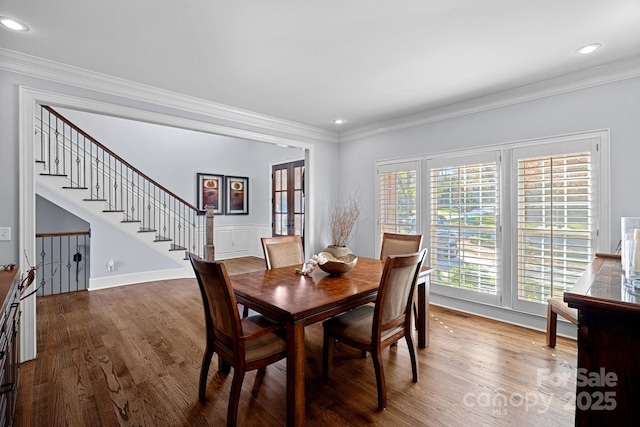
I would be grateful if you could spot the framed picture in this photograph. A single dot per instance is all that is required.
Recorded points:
(211, 192)
(237, 195)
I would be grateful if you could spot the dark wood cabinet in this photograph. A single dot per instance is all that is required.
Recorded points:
(608, 375)
(9, 344)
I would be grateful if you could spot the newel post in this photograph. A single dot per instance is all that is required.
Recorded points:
(209, 250)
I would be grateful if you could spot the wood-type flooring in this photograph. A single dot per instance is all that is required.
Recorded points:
(131, 356)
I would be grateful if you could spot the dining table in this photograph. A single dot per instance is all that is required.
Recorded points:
(297, 300)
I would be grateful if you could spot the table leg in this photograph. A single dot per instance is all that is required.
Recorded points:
(423, 313)
(295, 374)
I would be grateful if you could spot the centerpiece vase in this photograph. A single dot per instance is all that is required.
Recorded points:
(338, 251)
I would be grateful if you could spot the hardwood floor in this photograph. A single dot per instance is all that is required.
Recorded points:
(131, 356)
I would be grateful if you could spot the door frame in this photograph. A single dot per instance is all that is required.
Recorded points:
(271, 190)
(28, 100)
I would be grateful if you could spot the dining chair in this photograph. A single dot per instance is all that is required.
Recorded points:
(557, 306)
(373, 328)
(399, 244)
(282, 251)
(244, 344)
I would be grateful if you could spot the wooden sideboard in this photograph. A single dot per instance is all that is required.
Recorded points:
(9, 344)
(608, 375)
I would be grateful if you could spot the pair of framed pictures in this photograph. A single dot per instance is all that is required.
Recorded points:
(229, 195)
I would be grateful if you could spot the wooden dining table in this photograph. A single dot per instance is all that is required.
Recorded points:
(297, 301)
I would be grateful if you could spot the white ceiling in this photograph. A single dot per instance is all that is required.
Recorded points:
(367, 61)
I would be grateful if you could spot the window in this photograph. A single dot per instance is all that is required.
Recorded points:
(555, 218)
(510, 225)
(398, 198)
(463, 213)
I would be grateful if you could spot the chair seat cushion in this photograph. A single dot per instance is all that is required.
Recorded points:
(356, 325)
(563, 309)
(264, 346)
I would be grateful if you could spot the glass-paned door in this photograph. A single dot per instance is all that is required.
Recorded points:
(288, 199)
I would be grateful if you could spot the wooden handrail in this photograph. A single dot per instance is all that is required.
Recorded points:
(120, 159)
(64, 233)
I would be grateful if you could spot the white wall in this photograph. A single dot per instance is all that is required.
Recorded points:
(173, 157)
(109, 243)
(9, 169)
(614, 106)
(35, 82)
(339, 169)
(325, 154)
(50, 218)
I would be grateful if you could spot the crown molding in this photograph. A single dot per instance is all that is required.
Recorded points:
(33, 66)
(21, 63)
(614, 71)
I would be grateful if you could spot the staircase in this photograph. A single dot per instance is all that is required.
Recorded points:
(81, 174)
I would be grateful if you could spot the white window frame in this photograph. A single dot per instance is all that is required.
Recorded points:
(396, 166)
(459, 159)
(507, 282)
(598, 144)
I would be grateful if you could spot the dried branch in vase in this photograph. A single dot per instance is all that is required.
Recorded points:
(343, 219)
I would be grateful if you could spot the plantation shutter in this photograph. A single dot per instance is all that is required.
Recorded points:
(398, 198)
(463, 223)
(555, 219)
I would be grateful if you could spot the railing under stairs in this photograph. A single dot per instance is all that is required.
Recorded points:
(63, 261)
(68, 151)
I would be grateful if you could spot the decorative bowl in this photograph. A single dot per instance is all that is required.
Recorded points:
(336, 266)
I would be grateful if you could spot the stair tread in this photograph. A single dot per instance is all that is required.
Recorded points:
(105, 178)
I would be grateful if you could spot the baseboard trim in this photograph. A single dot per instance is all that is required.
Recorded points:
(106, 282)
(517, 318)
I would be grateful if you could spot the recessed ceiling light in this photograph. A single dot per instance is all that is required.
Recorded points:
(587, 49)
(13, 24)
(338, 121)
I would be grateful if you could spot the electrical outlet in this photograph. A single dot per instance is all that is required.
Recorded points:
(5, 233)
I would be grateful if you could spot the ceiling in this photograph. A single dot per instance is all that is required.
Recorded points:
(366, 61)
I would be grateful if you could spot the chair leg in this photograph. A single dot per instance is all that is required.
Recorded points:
(223, 366)
(382, 386)
(245, 312)
(204, 372)
(412, 355)
(327, 356)
(552, 323)
(234, 397)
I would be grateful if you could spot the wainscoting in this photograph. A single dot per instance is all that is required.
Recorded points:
(234, 241)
